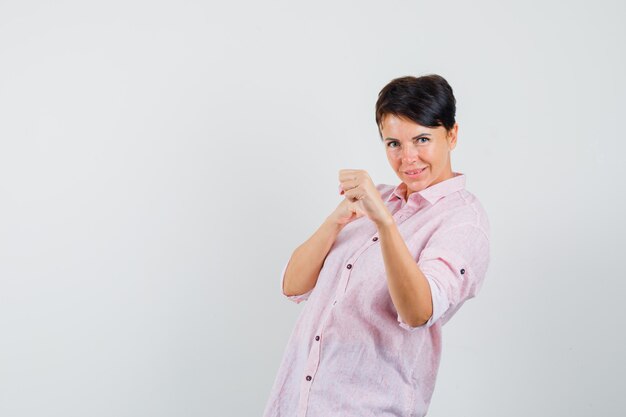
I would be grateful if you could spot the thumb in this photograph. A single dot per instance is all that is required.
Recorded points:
(356, 208)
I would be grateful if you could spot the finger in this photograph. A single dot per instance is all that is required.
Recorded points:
(347, 173)
(347, 185)
(356, 208)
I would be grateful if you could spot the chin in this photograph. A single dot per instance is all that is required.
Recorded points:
(417, 185)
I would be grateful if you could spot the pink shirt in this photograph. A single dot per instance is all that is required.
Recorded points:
(350, 354)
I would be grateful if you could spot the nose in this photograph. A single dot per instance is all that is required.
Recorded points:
(409, 155)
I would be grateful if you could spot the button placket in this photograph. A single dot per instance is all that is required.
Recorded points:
(346, 271)
(314, 354)
(312, 365)
(310, 371)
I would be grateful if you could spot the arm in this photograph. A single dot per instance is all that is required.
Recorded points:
(307, 259)
(408, 287)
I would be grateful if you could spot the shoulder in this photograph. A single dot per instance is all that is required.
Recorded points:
(463, 209)
(479, 214)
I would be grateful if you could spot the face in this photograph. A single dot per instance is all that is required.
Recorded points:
(411, 146)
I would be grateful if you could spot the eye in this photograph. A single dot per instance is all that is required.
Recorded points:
(390, 143)
(423, 137)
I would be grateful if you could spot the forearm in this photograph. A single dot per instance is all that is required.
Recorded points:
(307, 259)
(408, 287)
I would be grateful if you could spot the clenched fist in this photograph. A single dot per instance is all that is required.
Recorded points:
(361, 199)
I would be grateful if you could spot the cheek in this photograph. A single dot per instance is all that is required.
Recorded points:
(391, 157)
(395, 161)
(432, 155)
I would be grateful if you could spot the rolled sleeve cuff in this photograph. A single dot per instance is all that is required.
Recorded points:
(440, 305)
(295, 298)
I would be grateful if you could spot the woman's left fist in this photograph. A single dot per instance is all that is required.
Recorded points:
(358, 188)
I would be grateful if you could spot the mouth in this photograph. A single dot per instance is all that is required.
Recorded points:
(414, 173)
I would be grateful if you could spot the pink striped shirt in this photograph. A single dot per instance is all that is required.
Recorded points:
(350, 353)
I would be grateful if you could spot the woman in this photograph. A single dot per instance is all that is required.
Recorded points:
(385, 271)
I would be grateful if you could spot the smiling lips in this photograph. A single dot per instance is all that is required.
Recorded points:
(415, 172)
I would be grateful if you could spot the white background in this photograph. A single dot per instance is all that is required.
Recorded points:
(160, 160)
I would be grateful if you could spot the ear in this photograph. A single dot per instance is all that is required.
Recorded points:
(452, 135)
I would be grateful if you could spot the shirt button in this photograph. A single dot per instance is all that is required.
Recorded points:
(375, 238)
(317, 338)
(462, 271)
(308, 377)
(349, 266)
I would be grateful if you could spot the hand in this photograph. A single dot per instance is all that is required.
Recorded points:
(361, 199)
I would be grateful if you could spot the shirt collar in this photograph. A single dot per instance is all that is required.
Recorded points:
(432, 193)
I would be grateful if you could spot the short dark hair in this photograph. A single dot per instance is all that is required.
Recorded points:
(427, 100)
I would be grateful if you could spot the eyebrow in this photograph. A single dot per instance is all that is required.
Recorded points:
(414, 137)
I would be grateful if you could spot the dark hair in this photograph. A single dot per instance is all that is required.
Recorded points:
(427, 100)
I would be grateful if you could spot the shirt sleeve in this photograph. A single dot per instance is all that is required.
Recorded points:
(295, 298)
(455, 263)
